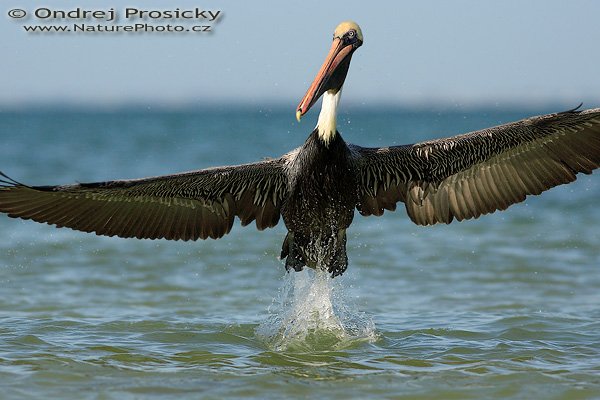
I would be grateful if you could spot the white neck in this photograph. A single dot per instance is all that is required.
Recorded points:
(326, 124)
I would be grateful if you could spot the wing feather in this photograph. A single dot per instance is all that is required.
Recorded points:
(465, 176)
(188, 206)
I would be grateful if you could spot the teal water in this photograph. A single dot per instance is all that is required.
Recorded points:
(507, 306)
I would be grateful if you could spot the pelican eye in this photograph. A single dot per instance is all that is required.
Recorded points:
(350, 37)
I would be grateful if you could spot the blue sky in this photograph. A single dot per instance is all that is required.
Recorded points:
(415, 52)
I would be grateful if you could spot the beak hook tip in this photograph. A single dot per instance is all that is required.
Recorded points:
(298, 115)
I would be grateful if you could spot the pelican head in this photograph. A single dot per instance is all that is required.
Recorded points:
(347, 37)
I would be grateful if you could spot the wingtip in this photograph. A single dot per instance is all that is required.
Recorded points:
(8, 181)
(574, 110)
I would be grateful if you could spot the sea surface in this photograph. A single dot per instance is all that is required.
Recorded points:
(506, 306)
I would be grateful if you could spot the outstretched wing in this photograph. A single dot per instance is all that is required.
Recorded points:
(187, 206)
(477, 173)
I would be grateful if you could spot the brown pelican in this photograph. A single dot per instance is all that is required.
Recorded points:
(317, 187)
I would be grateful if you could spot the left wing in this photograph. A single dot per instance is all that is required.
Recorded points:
(478, 173)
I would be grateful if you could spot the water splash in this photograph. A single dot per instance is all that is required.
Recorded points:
(314, 312)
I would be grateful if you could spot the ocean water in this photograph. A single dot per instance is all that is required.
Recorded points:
(506, 306)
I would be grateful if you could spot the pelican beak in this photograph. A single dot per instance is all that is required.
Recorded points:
(331, 76)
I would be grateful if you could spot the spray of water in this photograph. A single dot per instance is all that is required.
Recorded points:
(314, 312)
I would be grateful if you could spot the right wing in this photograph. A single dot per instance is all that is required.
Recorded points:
(186, 206)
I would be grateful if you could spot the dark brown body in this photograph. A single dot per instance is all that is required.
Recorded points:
(323, 194)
